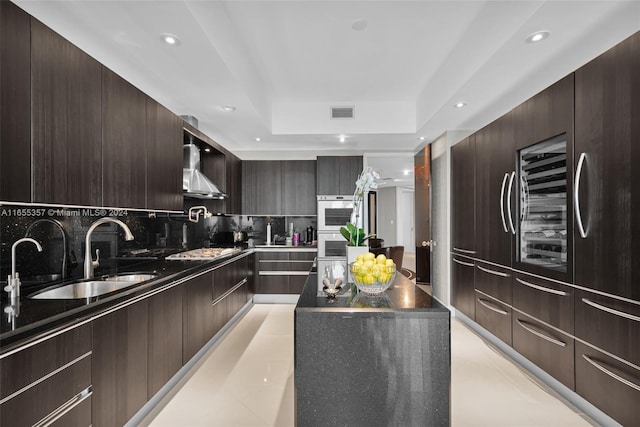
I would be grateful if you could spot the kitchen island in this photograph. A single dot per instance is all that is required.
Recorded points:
(365, 361)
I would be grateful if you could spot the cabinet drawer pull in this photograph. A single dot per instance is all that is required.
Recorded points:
(64, 408)
(542, 288)
(538, 332)
(504, 183)
(576, 196)
(611, 374)
(513, 229)
(611, 310)
(464, 251)
(496, 273)
(468, 264)
(488, 304)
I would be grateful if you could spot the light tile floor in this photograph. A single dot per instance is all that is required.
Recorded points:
(247, 380)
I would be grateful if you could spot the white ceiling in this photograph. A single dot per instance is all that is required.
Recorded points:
(282, 64)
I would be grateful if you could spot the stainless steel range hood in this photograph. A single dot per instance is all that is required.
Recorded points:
(194, 183)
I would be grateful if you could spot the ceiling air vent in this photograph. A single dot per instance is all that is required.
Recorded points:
(342, 112)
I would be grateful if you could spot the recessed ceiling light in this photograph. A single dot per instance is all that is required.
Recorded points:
(421, 138)
(343, 138)
(207, 150)
(460, 104)
(406, 172)
(537, 36)
(229, 108)
(258, 139)
(359, 24)
(170, 39)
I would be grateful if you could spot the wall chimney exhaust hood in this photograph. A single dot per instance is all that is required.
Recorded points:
(194, 183)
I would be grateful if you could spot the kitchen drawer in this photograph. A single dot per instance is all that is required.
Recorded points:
(462, 285)
(273, 285)
(79, 415)
(273, 255)
(609, 324)
(494, 280)
(610, 384)
(302, 256)
(268, 265)
(47, 396)
(493, 315)
(545, 346)
(296, 284)
(26, 366)
(543, 299)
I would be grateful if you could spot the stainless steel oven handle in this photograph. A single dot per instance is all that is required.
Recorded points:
(513, 229)
(576, 196)
(542, 288)
(504, 221)
(534, 330)
(611, 374)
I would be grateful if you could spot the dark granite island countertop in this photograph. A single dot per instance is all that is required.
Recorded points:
(372, 361)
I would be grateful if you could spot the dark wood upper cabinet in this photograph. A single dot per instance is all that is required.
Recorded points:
(164, 158)
(233, 204)
(66, 110)
(299, 187)
(337, 175)
(496, 189)
(15, 105)
(262, 187)
(124, 165)
(119, 364)
(463, 192)
(607, 133)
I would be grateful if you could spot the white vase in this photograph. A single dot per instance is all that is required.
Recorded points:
(352, 253)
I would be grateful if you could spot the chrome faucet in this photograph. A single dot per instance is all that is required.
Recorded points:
(13, 283)
(64, 240)
(89, 263)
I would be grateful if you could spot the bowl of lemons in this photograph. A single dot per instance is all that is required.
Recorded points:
(373, 274)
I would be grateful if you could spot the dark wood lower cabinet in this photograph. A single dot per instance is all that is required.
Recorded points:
(79, 416)
(281, 272)
(119, 364)
(198, 318)
(462, 285)
(610, 384)
(493, 315)
(547, 347)
(494, 280)
(165, 337)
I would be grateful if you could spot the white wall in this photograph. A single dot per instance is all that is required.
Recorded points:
(406, 219)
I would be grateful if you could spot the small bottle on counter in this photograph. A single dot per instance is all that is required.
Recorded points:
(296, 238)
(268, 233)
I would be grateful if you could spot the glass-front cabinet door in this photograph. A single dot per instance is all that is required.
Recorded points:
(542, 232)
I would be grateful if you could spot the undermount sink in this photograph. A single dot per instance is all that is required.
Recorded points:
(94, 288)
(131, 277)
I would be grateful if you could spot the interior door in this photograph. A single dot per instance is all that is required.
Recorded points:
(422, 209)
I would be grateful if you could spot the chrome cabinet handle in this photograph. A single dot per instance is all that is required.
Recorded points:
(464, 251)
(538, 332)
(611, 374)
(504, 183)
(496, 273)
(576, 196)
(611, 310)
(468, 264)
(488, 303)
(542, 288)
(513, 229)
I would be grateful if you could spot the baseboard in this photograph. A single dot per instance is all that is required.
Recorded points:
(275, 299)
(561, 391)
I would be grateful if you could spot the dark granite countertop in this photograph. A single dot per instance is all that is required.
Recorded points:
(402, 296)
(40, 317)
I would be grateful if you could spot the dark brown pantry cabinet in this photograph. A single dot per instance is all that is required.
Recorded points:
(15, 106)
(66, 93)
(496, 186)
(463, 196)
(607, 159)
